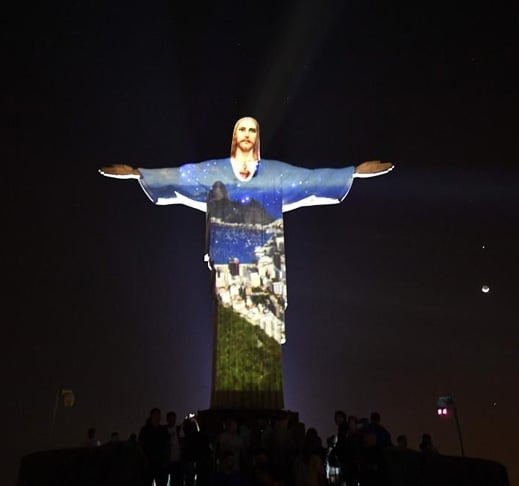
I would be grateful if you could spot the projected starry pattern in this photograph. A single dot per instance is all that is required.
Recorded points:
(278, 185)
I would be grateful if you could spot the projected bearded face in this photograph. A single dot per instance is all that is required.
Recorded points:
(246, 137)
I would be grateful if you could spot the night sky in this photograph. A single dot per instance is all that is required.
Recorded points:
(108, 295)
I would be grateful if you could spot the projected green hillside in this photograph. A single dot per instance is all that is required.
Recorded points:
(246, 358)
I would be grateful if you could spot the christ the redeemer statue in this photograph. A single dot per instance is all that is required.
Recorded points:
(244, 198)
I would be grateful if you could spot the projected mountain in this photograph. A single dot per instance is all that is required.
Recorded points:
(219, 206)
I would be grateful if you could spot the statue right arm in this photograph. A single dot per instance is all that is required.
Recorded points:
(168, 185)
(120, 171)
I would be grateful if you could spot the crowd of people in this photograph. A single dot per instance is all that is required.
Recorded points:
(277, 451)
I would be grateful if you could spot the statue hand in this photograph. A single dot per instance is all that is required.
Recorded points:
(373, 168)
(120, 171)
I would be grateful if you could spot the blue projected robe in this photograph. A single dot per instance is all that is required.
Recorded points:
(245, 249)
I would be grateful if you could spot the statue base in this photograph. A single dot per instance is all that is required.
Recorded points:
(251, 400)
(212, 420)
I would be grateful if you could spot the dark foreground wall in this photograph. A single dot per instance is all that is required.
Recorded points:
(123, 465)
(411, 468)
(119, 464)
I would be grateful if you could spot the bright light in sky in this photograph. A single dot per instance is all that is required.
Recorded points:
(485, 289)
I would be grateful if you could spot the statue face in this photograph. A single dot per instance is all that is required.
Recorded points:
(246, 134)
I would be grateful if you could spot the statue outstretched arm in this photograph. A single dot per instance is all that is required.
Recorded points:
(372, 168)
(120, 171)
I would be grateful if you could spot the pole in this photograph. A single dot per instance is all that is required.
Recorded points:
(54, 412)
(458, 427)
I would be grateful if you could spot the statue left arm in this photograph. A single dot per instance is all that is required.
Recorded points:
(372, 168)
(312, 187)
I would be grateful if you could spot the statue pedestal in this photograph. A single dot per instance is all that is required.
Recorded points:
(211, 421)
(252, 400)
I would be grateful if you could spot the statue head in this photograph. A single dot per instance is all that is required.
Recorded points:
(246, 127)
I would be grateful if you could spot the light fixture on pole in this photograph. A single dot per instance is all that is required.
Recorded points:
(446, 407)
(69, 399)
